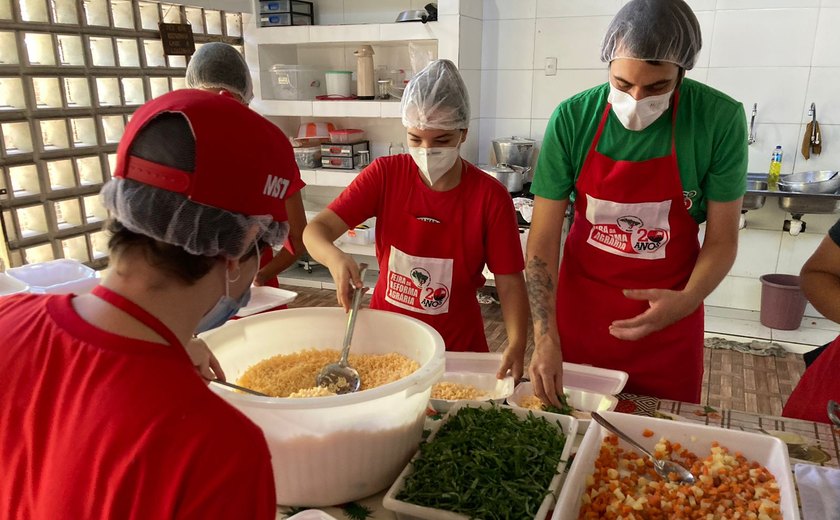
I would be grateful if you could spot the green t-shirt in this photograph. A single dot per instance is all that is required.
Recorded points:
(711, 141)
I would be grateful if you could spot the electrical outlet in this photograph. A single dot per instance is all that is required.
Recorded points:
(551, 66)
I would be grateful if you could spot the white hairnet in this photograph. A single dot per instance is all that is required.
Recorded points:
(654, 30)
(174, 219)
(219, 65)
(436, 98)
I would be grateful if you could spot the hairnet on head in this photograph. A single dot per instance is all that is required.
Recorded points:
(436, 98)
(219, 65)
(174, 219)
(654, 30)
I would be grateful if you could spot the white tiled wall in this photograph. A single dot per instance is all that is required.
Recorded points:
(780, 54)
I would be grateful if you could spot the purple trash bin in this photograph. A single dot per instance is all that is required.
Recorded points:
(782, 301)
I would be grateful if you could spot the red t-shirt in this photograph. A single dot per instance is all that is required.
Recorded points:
(487, 228)
(95, 425)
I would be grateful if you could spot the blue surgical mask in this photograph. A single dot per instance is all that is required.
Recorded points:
(225, 309)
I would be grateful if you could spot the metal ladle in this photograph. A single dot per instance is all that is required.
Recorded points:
(834, 412)
(663, 468)
(341, 377)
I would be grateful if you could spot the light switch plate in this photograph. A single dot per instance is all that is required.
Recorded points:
(551, 66)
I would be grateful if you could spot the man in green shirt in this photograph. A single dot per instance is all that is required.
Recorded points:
(646, 158)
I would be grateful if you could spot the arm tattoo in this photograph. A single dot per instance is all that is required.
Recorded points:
(540, 292)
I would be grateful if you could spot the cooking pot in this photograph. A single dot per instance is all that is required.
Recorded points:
(514, 150)
(513, 177)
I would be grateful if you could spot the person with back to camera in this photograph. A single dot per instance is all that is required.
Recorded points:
(103, 414)
(646, 157)
(439, 219)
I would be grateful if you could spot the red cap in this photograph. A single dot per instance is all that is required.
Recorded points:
(243, 162)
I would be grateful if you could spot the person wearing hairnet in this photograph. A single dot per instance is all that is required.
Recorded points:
(103, 413)
(219, 67)
(646, 158)
(439, 219)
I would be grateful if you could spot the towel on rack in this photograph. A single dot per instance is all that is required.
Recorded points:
(807, 147)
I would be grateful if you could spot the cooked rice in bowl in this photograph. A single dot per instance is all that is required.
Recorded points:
(293, 375)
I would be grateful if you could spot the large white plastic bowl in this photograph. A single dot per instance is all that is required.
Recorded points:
(331, 450)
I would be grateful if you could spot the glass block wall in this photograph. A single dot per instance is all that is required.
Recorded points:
(71, 74)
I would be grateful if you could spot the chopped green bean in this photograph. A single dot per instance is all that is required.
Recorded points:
(487, 464)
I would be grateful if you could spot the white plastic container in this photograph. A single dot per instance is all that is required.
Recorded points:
(63, 276)
(583, 401)
(594, 379)
(297, 81)
(264, 298)
(408, 511)
(338, 83)
(9, 285)
(697, 438)
(332, 450)
(479, 370)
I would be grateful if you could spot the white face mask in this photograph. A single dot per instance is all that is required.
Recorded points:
(638, 115)
(434, 162)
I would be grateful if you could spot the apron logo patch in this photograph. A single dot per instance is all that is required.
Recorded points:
(638, 230)
(688, 198)
(434, 298)
(628, 235)
(419, 284)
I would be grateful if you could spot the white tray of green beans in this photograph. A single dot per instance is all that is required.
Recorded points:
(485, 461)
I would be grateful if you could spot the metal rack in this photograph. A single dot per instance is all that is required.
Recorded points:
(71, 74)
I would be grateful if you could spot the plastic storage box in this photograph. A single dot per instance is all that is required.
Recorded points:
(297, 81)
(285, 12)
(286, 6)
(308, 157)
(341, 163)
(56, 277)
(343, 150)
(284, 19)
(347, 135)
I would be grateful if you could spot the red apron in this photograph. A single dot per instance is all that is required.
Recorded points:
(819, 383)
(423, 273)
(631, 231)
(140, 314)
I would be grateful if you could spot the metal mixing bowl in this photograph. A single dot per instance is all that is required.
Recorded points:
(825, 181)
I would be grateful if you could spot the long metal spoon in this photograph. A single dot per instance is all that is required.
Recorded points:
(663, 468)
(240, 388)
(340, 377)
(834, 412)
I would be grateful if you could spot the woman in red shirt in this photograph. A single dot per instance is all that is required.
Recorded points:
(439, 220)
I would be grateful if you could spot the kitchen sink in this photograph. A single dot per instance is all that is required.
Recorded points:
(809, 205)
(754, 200)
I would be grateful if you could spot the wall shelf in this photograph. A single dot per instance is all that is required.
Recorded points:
(371, 109)
(341, 34)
